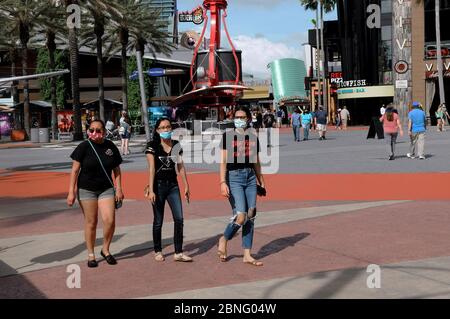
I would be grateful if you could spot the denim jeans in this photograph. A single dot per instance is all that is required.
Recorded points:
(306, 127)
(169, 191)
(242, 184)
(296, 129)
(391, 142)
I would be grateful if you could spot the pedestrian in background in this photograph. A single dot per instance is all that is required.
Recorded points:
(416, 128)
(321, 121)
(306, 124)
(391, 126)
(441, 115)
(269, 121)
(93, 163)
(296, 123)
(338, 119)
(125, 133)
(345, 117)
(279, 118)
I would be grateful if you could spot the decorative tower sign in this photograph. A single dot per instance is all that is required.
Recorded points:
(401, 59)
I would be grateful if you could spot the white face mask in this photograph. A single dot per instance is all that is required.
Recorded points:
(240, 123)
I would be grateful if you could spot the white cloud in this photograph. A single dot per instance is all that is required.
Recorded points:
(258, 52)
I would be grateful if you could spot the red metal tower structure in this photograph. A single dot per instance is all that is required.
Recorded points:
(216, 82)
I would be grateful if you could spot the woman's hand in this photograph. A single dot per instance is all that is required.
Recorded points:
(401, 132)
(119, 195)
(151, 196)
(187, 194)
(224, 190)
(71, 198)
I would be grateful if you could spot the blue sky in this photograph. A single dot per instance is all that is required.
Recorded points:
(264, 30)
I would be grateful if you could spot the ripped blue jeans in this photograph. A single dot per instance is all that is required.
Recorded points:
(242, 185)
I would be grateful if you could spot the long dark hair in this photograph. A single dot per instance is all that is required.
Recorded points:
(156, 138)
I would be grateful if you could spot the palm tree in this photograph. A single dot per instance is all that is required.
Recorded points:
(23, 16)
(9, 42)
(136, 29)
(312, 5)
(325, 6)
(100, 12)
(53, 30)
(75, 74)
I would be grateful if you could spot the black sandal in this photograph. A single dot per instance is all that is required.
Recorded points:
(92, 263)
(109, 259)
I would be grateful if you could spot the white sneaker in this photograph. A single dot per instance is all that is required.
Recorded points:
(410, 156)
(421, 157)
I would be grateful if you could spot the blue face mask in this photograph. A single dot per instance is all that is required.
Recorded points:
(166, 135)
(240, 123)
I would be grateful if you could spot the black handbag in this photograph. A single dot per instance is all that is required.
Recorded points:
(261, 191)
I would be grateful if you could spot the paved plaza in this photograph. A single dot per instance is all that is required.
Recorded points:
(333, 208)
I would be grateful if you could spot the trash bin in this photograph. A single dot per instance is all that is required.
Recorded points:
(34, 135)
(44, 135)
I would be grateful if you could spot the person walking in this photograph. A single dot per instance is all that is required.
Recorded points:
(321, 121)
(306, 124)
(91, 183)
(163, 159)
(391, 127)
(345, 117)
(279, 118)
(269, 121)
(441, 115)
(338, 119)
(125, 133)
(417, 127)
(296, 123)
(240, 180)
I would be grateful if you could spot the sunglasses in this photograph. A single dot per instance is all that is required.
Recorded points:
(98, 130)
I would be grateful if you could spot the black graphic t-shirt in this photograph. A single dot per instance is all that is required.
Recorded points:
(92, 177)
(242, 149)
(165, 162)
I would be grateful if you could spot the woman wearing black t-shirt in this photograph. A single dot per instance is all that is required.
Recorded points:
(240, 171)
(163, 154)
(93, 188)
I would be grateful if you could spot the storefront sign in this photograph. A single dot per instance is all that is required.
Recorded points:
(336, 77)
(195, 16)
(401, 84)
(352, 83)
(365, 92)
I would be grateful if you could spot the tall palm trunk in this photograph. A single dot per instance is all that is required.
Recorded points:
(439, 53)
(24, 38)
(124, 36)
(139, 57)
(324, 77)
(318, 60)
(15, 91)
(51, 47)
(99, 32)
(75, 78)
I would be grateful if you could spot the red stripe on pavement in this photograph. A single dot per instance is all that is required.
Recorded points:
(367, 187)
